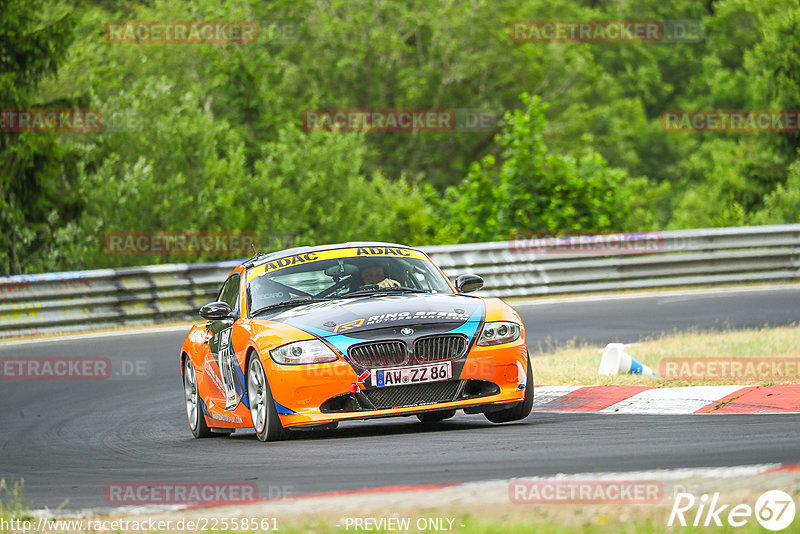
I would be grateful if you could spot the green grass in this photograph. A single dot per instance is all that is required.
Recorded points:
(12, 502)
(596, 519)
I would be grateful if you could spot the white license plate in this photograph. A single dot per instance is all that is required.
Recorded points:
(398, 376)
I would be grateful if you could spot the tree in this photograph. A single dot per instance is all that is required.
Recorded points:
(535, 190)
(315, 186)
(782, 206)
(163, 164)
(38, 184)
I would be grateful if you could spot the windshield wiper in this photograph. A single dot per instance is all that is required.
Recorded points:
(296, 301)
(384, 290)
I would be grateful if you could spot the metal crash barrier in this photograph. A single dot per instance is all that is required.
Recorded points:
(520, 267)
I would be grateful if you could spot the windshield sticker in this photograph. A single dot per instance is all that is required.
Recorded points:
(310, 257)
(383, 251)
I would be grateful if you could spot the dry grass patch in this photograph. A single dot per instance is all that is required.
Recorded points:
(573, 365)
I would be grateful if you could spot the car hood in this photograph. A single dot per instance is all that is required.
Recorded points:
(354, 316)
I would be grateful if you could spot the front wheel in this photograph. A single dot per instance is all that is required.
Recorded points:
(262, 406)
(520, 410)
(197, 421)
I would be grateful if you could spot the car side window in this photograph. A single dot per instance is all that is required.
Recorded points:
(230, 292)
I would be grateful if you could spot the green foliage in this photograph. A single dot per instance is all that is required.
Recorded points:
(724, 174)
(535, 190)
(34, 40)
(166, 165)
(209, 137)
(12, 500)
(322, 193)
(783, 204)
(37, 183)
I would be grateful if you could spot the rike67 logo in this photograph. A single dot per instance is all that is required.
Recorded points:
(774, 510)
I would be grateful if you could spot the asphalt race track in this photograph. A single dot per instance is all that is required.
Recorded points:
(68, 439)
(627, 318)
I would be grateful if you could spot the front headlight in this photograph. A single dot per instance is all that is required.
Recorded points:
(303, 352)
(499, 332)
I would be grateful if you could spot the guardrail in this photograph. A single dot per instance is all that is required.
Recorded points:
(61, 302)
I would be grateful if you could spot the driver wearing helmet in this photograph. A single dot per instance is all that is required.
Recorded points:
(374, 273)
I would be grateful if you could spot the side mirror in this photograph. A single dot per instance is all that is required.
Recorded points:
(216, 310)
(467, 283)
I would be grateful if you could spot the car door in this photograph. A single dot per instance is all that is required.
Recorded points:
(223, 376)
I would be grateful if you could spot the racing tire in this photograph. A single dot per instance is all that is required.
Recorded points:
(520, 410)
(432, 417)
(263, 412)
(194, 412)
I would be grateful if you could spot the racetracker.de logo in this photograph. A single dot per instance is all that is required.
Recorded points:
(605, 31)
(179, 243)
(548, 243)
(585, 491)
(378, 120)
(50, 120)
(139, 493)
(730, 120)
(180, 32)
(72, 368)
(771, 369)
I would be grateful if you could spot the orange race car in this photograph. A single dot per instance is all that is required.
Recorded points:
(310, 336)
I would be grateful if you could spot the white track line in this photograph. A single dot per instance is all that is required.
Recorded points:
(93, 335)
(677, 400)
(723, 291)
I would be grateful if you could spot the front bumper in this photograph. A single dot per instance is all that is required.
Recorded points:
(317, 394)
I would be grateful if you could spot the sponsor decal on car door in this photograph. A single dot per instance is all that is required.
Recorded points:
(224, 376)
(225, 361)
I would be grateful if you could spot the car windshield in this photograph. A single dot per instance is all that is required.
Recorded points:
(341, 273)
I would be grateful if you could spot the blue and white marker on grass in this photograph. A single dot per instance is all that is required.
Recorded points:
(616, 361)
